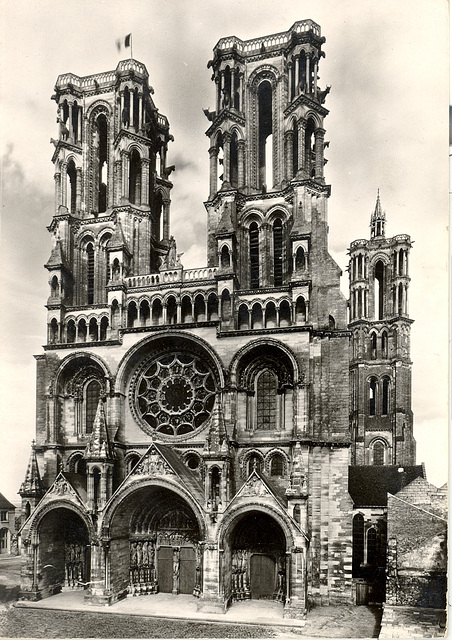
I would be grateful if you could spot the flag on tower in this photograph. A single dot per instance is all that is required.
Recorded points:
(126, 42)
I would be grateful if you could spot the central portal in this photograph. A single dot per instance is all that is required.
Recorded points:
(165, 554)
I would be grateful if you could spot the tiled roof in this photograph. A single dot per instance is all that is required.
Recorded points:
(5, 504)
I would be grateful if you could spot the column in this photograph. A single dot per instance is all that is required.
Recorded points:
(131, 101)
(289, 72)
(57, 178)
(289, 155)
(125, 174)
(79, 125)
(241, 163)
(71, 124)
(319, 135)
(78, 189)
(226, 158)
(232, 87)
(64, 184)
(296, 75)
(178, 312)
(316, 66)
(166, 210)
(213, 164)
(221, 88)
(122, 109)
(308, 73)
(145, 181)
(218, 92)
(301, 145)
(140, 111)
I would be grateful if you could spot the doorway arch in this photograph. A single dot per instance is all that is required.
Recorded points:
(255, 558)
(63, 551)
(155, 543)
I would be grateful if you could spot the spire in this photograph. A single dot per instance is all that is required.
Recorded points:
(98, 446)
(32, 485)
(377, 219)
(217, 440)
(118, 241)
(57, 258)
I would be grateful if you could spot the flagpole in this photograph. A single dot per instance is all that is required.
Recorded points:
(131, 51)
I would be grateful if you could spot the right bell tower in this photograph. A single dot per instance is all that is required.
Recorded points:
(380, 364)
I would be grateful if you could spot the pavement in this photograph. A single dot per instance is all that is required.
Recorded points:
(322, 622)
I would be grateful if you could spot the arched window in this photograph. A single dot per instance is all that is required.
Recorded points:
(385, 397)
(331, 323)
(400, 309)
(310, 148)
(225, 259)
(215, 487)
(115, 315)
(372, 546)
(358, 543)
(264, 93)
(372, 396)
(270, 315)
(234, 162)
(278, 252)
(384, 344)
(171, 310)
(103, 328)
(92, 395)
(300, 310)
(257, 321)
(145, 313)
(186, 309)
(54, 287)
(285, 316)
(27, 510)
(277, 465)
(131, 462)
(96, 484)
(300, 259)
(378, 453)
(71, 331)
(199, 309)
(295, 162)
(243, 317)
(373, 345)
(157, 311)
(132, 314)
(89, 273)
(102, 162)
(53, 331)
(93, 330)
(379, 289)
(225, 305)
(212, 307)
(254, 255)
(297, 513)
(81, 330)
(135, 178)
(72, 184)
(266, 399)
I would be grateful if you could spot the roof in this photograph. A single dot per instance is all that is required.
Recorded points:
(5, 504)
(368, 486)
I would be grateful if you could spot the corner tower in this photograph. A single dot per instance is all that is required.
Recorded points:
(267, 206)
(380, 364)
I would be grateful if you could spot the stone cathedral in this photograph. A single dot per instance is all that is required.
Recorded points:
(196, 428)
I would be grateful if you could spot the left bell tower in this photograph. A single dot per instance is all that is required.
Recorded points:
(111, 184)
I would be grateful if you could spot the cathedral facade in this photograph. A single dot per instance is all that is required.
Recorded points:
(195, 427)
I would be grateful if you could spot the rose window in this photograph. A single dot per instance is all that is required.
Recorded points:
(174, 394)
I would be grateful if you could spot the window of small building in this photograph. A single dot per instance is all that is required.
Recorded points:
(277, 465)
(3, 516)
(378, 457)
(92, 395)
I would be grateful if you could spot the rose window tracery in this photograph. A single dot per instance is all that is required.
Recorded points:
(174, 393)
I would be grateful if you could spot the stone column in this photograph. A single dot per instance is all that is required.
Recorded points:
(289, 154)
(241, 163)
(64, 184)
(145, 181)
(232, 87)
(79, 124)
(122, 109)
(319, 135)
(57, 178)
(210, 600)
(178, 312)
(78, 190)
(226, 159)
(125, 174)
(213, 163)
(166, 216)
(316, 65)
(301, 145)
(131, 101)
(140, 111)
(289, 73)
(297, 584)
(71, 124)
(308, 73)
(296, 75)
(218, 92)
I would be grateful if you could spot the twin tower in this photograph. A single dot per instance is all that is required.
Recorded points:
(221, 404)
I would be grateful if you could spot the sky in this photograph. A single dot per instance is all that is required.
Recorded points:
(387, 63)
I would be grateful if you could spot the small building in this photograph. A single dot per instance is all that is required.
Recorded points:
(7, 525)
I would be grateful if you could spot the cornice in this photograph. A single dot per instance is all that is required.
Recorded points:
(224, 115)
(63, 144)
(309, 102)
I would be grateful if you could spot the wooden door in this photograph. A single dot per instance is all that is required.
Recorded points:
(187, 570)
(165, 569)
(262, 576)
